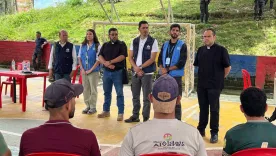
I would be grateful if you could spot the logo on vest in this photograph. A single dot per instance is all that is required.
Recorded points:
(67, 50)
(148, 47)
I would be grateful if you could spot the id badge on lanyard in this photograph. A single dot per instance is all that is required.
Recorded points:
(169, 55)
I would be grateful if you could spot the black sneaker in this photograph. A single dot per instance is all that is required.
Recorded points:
(132, 119)
(85, 110)
(214, 139)
(145, 119)
(92, 111)
(202, 133)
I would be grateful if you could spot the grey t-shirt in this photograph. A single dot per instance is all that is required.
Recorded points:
(163, 135)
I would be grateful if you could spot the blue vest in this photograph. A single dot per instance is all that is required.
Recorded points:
(63, 60)
(92, 54)
(174, 59)
(146, 53)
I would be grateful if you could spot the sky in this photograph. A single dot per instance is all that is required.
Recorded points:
(40, 4)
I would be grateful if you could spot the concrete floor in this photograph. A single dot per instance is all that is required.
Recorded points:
(109, 132)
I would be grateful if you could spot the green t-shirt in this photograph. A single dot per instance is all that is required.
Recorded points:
(3, 145)
(249, 135)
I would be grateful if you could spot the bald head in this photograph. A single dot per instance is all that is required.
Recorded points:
(63, 36)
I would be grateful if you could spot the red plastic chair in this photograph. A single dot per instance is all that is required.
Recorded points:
(256, 152)
(164, 154)
(51, 154)
(75, 75)
(246, 79)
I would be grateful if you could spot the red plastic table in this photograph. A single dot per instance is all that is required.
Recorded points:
(23, 77)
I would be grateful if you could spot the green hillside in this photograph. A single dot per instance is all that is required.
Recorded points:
(233, 20)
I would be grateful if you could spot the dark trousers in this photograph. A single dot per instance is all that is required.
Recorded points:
(145, 83)
(204, 13)
(271, 3)
(259, 7)
(206, 98)
(178, 111)
(61, 76)
(37, 55)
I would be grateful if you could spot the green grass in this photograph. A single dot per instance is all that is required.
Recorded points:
(233, 21)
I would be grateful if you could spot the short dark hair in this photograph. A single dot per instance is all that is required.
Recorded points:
(211, 29)
(112, 29)
(174, 26)
(38, 32)
(253, 102)
(142, 22)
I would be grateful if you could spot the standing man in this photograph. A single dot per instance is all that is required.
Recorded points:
(271, 4)
(143, 50)
(259, 9)
(63, 58)
(172, 60)
(39, 44)
(112, 56)
(204, 12)
(213, 65)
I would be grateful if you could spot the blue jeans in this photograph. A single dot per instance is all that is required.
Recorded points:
(110, 78)
(61, 76)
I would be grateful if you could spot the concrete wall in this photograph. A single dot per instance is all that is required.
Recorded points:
(261, 68)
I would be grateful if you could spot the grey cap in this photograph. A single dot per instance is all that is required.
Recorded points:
(60, 92)
(165, 93)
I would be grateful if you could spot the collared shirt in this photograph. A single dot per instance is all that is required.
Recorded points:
(211, 63)
(142, 42)
(252, 134)
(59, 136)
(74, 55)
(111, 50)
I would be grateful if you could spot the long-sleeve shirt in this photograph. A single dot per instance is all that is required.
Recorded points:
(74, 55)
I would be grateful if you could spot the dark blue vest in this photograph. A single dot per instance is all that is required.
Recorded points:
(63, 60)
(146, 53)
(174, 59)
(92, 54)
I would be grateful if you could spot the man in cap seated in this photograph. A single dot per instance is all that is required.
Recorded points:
(164, 133)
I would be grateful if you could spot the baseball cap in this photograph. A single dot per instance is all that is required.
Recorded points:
(38, 32)
(165, 93)
(60, 92)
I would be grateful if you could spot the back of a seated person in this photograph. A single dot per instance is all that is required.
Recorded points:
(164, 133)
(256, 132)
(58, 134)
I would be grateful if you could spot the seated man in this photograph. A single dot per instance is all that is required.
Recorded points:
(58, 134)
(164, 133)
(4, 150)
(257, 132)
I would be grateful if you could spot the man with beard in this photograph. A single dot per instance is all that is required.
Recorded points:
(112, 55)
(172, 60)
(58, 134)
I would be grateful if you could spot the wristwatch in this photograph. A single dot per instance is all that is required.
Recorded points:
(141, 67)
